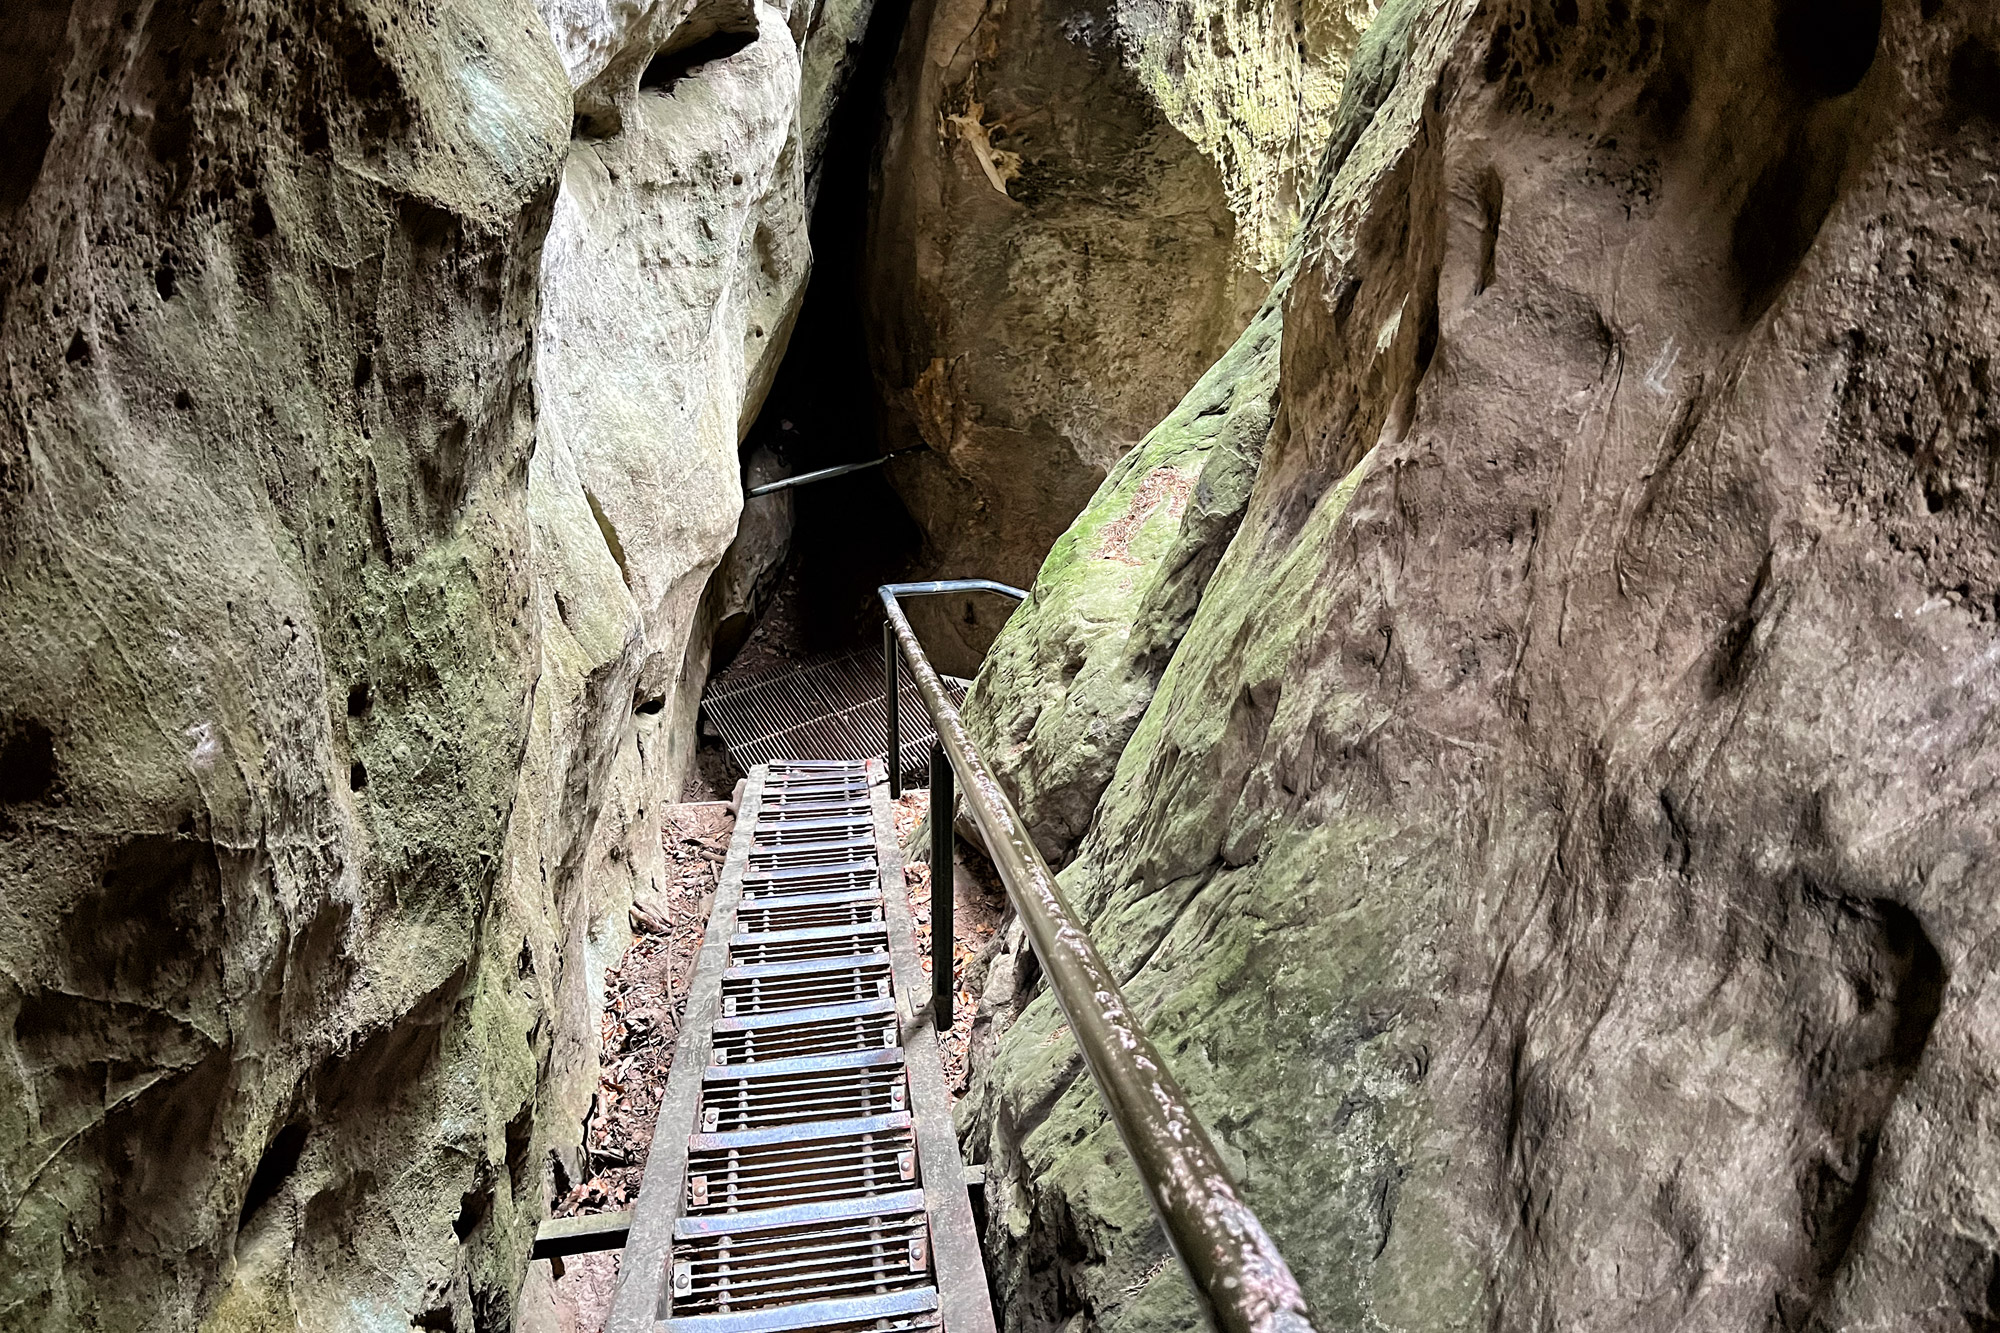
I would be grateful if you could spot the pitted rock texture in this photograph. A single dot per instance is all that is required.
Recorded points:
(1558, 859)
(1078, 209)
(269, 1026)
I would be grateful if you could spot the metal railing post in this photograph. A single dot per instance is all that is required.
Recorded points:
(889, 673)
(943, 983)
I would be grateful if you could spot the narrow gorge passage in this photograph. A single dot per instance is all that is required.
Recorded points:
(809, 559)
(1507, 692)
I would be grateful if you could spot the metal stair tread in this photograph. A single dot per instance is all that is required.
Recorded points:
(883, 1057)
(805, 967)
(754, 876)
(823, 1013)
(791, 825)
(901, 1203)
(805, 934)
(835, 898)
(826, 808)
(814, 848)
(809, 1315)
(811, 1131)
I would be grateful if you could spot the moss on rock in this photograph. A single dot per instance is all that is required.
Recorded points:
(1553, 858)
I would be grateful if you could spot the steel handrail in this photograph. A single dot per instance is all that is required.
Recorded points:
(1242, 1282)
(826, 473)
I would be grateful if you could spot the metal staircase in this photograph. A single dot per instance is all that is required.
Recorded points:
(804, 1174)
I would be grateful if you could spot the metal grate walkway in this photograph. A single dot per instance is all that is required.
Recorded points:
(828, 709)
(804, 1172)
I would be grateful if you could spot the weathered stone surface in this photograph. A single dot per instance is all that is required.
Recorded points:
(675, 265)
(1067, 680)
(742, 586)
(1078, 209)
(1069, 677)
(1558, 859)
(342, 695)
(268, 274)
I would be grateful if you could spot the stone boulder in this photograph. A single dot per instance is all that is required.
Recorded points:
(1558, 859)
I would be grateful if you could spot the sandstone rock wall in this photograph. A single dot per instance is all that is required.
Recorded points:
(374, 397)
(1061, 691)
(268, 278)
(1558, 857)
(675, 260)
(1079, 207)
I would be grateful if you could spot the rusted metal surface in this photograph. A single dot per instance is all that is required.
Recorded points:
(893, 710)
(943, 805)
(1240, 1278)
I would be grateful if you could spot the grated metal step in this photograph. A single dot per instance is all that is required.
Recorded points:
(781, 1092)
(776, 916)
(804, 1174)
(810, 879)
(777, 946)
(804, 1252)
(915, 1311)
(815, 856)
(829, 1159)
(816, 829)
(830, 706)
(793, 1032)
(760, 988)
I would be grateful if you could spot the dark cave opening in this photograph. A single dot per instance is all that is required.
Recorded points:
(280, 1159)
(849, 534)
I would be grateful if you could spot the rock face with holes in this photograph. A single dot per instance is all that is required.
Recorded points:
(1558, 858)
(1079, 207)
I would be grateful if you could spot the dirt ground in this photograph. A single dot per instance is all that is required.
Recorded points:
(713, 776)
(646, 995)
